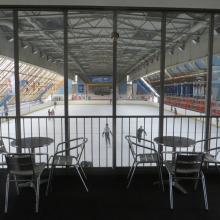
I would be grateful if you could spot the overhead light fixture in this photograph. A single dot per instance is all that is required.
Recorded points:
(75, 81)
(34, 51)
(10, 39)
(181, 47)
(129, 82)
(216, 30)
(42, 55)
(195, 40)
(49, 59)
(171, 52)
(25, 46)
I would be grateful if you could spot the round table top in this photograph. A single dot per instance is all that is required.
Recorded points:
(32, 142)
(174, 141)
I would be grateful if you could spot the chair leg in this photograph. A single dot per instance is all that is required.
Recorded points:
(16, 185)
(37, 192)
(160, 176)
(217, 167)
(77, 169)
(204, 191)
(129, 173)
(171, 191)
(132, 174)
(49, 179)
(196, 183)
(6, 192)
(83, 172)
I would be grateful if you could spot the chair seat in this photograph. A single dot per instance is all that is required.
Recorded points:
(38, 169)
(147, 158)
(210, 159)
(170, 166)
(60, 160)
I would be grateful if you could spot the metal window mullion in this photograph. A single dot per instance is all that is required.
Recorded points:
(162, 74)
(16, 73)
(209, 80)
(114, 80)
(65, 43)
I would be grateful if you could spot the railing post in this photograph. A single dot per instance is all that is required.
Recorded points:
(114, 82)
(16, 73)
(162, 74)
(65, 43)
(209, 81)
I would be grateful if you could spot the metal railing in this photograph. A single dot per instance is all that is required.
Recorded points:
(92, 127)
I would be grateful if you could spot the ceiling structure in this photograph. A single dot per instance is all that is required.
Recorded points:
(90, 43)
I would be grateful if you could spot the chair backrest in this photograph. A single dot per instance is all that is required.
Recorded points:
(204, 144)
(130, 144)
(135, 146)
(75, 147)
(188, 163)
(2, 146)
(5, 142)
(18, 163)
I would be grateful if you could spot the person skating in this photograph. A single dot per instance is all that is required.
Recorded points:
(140, 131)
(55, 104)
(175, 111)
(49, 113)
(107, 133)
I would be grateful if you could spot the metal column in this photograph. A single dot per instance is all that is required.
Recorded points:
(162, 73)
(209, 80)
(16, 73)
(65, 43)
(114, 80)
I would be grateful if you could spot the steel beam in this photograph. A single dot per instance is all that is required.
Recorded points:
(162, 74)
(114, 81)
(16, 73)
(65, 70)
(209, 80)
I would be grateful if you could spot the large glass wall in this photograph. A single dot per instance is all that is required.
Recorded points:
(92, 38)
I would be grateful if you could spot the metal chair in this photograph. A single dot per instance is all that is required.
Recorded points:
(22, 166)
(69, 157)
(4, 148)
(186, 166)
(212, 154)
(143, 154)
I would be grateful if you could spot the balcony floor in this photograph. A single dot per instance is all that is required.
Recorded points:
(108, 198)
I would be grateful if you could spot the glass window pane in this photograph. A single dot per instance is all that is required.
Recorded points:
(7, 77)
(186, 62)
(41, 62)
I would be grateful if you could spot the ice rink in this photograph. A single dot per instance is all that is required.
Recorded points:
(96, 149)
